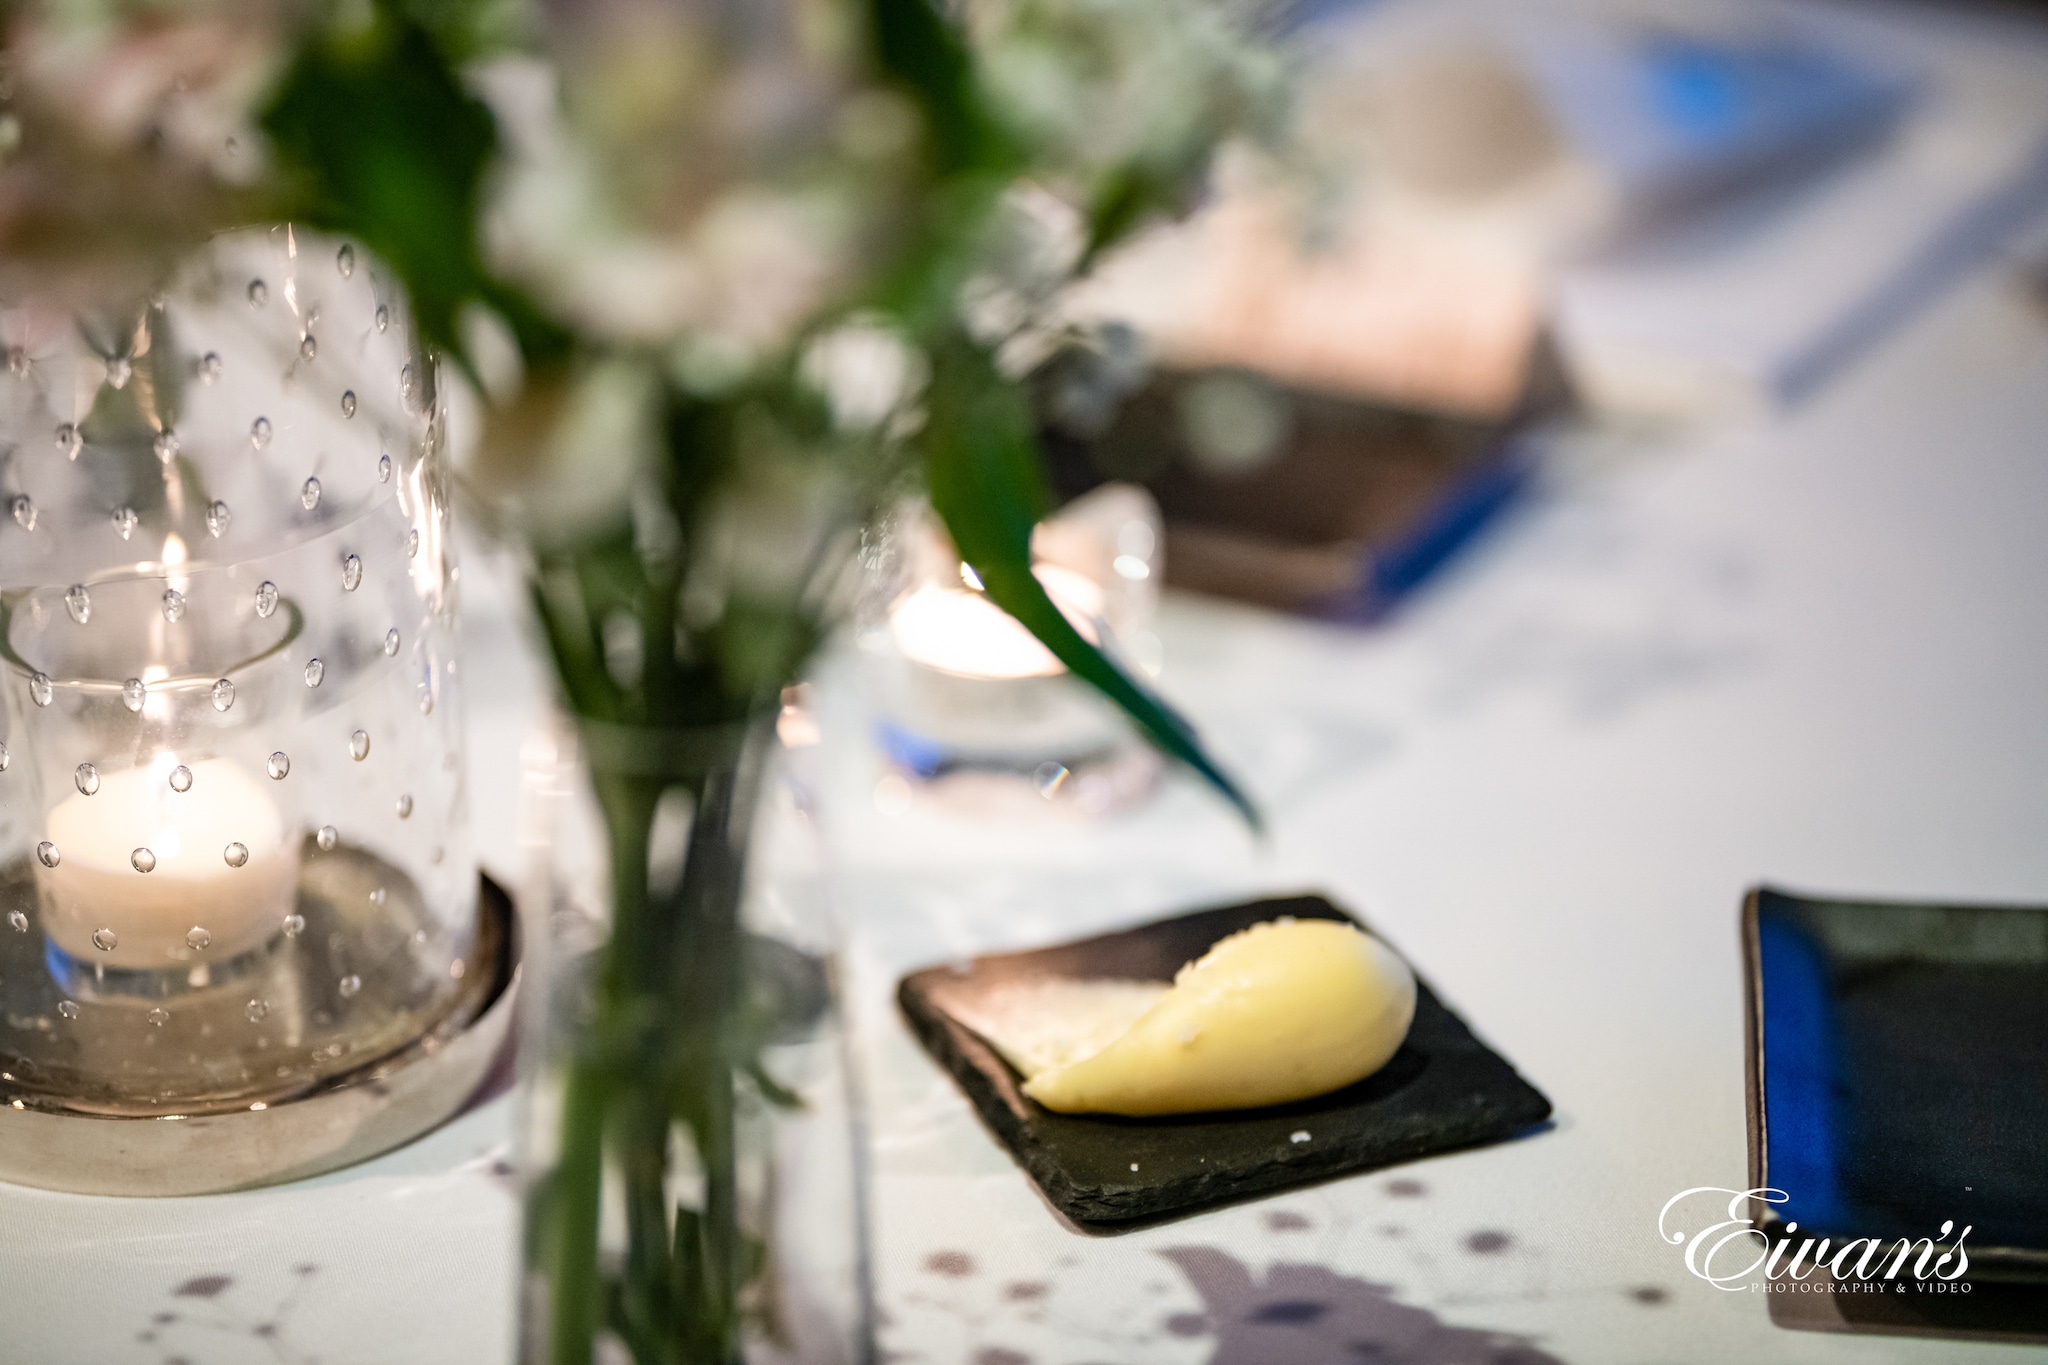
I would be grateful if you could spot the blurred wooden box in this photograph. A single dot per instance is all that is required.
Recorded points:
(1329, 506)
(1335, 412)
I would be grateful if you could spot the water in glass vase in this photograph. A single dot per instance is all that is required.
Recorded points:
(690, 1141)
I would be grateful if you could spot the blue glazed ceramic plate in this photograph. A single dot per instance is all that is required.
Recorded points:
(1898, 1080)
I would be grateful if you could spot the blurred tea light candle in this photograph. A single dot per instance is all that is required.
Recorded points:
(962, 633)
(202, 900)
(969, 700)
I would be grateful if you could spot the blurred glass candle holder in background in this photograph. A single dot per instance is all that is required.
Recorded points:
(234, 862)
(973, 710)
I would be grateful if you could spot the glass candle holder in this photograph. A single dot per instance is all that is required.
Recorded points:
(973, 709)
(234, 863)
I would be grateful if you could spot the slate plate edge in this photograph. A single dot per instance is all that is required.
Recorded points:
(962, 1054)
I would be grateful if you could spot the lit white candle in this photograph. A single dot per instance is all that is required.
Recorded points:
(221, 869)
(981, 691)
(965, 634)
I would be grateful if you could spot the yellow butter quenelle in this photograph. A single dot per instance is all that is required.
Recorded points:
(1281, 1011)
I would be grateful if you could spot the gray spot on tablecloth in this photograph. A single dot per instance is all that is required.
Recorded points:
(203, 1287)
(1310, 1315)
(1297, 1312)
(955, 1265)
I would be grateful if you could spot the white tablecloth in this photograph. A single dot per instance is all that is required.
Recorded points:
(1809, 651)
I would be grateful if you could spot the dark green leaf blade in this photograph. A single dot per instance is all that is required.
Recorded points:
(981, 465)
(923, 51)
(378, 138)
(381, 141)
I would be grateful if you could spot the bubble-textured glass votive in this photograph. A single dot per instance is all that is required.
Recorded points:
(234, 863)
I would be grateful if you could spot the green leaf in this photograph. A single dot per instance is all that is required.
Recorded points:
(378, 139)
(1126, 198)
(982, 467)
(386, 145)
(924, 52)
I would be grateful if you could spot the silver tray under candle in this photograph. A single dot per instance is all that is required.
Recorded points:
(300, 1084)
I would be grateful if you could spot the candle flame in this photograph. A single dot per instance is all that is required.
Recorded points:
(157, 705)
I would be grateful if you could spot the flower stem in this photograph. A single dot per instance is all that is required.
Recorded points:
(573, 1190)
(661, 1050)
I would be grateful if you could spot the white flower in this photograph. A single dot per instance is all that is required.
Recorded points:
(561, 460)
(866, 372)
(693, 177)
(1098, 84)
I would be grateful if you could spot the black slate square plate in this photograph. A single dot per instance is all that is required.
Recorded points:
(1443, 1090)
(1898, 1079)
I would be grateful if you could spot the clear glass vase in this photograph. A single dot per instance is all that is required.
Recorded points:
(691, 1141)
(234, 859)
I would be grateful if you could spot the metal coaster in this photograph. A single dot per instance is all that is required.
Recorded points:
(351, 1114)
